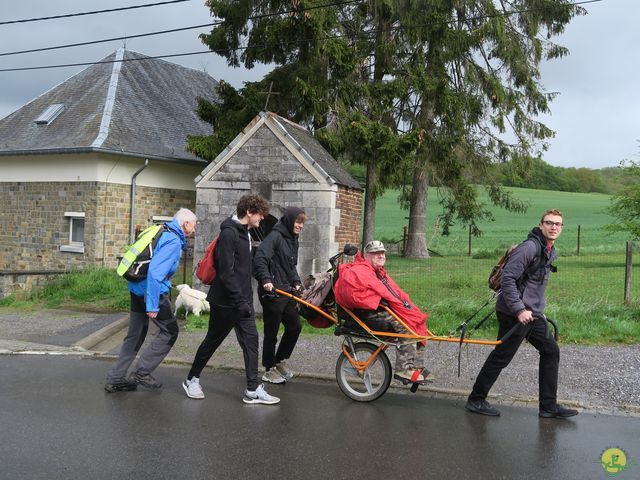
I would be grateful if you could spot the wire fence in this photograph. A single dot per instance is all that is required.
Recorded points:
(610, 278)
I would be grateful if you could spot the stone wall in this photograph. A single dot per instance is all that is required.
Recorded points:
(34, 226)
(113, 214)
(264, 165)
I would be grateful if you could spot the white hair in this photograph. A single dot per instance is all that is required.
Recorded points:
(184, 215)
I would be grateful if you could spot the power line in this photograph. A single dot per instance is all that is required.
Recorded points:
(105, 40)
(95, 12)
(162, 32)
(84, 64)
(300, 41)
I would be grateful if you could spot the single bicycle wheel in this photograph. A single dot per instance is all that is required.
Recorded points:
(375, 379)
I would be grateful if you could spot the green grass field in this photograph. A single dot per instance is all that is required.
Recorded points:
(585, 296)
(586, 210)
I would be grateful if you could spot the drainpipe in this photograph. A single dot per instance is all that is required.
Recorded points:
(133, 199)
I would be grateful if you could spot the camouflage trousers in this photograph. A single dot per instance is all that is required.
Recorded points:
(410, 355)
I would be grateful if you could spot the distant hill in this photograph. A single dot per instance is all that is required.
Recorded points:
(540, 175)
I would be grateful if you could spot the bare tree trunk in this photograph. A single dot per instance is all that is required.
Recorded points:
(417, 238)
(369, 227)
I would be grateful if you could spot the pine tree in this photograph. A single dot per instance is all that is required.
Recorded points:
(423, 92)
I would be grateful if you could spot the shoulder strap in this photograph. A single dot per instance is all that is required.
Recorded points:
(393, 292)
(536, 264)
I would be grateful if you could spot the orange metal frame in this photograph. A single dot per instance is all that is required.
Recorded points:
(362, 366)
(411, 336)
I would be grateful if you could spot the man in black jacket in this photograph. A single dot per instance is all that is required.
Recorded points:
(522, 300)
(275, 267)
(231, 300)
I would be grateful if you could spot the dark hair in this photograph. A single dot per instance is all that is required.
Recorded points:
(252, 204)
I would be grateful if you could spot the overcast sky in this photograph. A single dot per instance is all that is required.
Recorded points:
(596, 115)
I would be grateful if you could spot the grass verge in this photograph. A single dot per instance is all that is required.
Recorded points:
(451, 289)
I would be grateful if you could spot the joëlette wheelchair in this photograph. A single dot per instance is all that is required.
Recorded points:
(363, 369)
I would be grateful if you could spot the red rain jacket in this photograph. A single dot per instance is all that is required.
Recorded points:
(358, 286)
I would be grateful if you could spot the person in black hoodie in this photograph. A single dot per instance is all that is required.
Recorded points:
(522, 300)
(231, 300)
(274, 265)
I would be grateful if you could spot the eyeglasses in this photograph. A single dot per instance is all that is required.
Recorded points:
(549, 223)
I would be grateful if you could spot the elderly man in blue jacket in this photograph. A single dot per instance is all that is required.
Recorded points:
(150, 300)
(521, 301)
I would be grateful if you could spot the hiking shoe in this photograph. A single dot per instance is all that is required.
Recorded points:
(560, 412)
(482, 407)
(283, 370)
(192, 388)
(273, 376)
(259, 395)
(146, 380)
(122, 385)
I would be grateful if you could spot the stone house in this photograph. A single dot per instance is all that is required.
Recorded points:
(71, 159)
(284, 163)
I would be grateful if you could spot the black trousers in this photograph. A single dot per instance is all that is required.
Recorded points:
(274, 312)
(221, 322)
(539, 335)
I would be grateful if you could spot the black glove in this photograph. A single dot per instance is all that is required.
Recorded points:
(297, 290)
(268, 296)
(244, 310)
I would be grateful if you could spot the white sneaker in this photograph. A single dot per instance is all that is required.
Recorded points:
(259, 395)
(283, 370)
(192, 388)
(273, 376)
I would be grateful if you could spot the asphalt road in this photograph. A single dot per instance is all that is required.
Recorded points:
(57, 422)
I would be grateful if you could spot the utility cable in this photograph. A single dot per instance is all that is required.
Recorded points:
(113, 39)
(301, 41)
(162, 32)
(92, 13)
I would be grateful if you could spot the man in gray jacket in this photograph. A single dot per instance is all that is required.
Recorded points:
(522, 300)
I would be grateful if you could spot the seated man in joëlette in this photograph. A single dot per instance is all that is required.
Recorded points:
(362, 286)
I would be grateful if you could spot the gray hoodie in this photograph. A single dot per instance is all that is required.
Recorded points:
(522, 291)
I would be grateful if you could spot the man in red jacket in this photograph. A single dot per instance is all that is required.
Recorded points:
(362, 286)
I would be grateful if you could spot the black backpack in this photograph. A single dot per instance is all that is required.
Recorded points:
(134, 265)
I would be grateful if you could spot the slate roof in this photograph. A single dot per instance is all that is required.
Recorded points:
(316, 151)
(139, 107)
(299, 139)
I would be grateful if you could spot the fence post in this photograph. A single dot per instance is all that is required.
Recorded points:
(405, 239)
(469, 240)
(578, 240)
(627, 274)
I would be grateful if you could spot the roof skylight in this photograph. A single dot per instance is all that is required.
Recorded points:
(49, 114)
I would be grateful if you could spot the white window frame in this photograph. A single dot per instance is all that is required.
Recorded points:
(73, 247)
(158, 219)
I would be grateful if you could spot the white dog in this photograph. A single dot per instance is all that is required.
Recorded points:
(191, 299)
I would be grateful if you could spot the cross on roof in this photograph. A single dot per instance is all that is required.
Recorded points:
(269, 93)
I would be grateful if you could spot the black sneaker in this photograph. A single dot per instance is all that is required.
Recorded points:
(560, 412)
(145, 380)
(122, 385)
(482, 407)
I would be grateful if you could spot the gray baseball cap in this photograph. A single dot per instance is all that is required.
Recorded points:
(374, 246)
